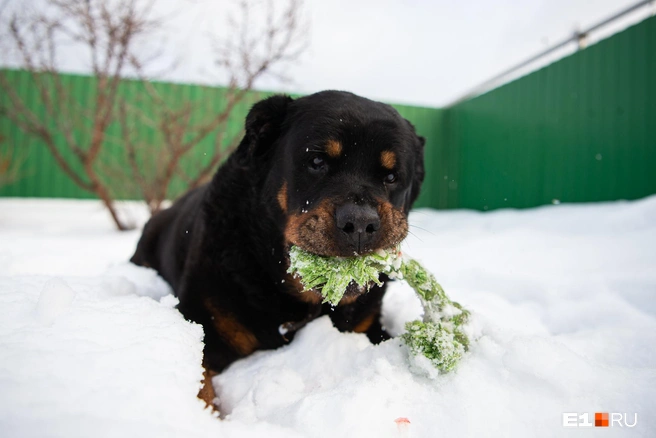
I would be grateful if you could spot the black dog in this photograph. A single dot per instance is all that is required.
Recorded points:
(332, 173)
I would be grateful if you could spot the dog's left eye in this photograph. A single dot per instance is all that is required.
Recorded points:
(390, 178)
(317, 164)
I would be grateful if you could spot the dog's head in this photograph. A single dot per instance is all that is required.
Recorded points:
(341, 170)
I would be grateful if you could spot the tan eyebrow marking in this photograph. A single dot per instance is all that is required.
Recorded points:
(333, 148)
(388, 159)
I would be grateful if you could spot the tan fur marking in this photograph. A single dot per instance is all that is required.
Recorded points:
(364, 325)
(242, 340)
(295, 287)
(348, 299)
(206, 392)
(333, 148)
(388, 159)
(394, 225)
(313, 231)
(282, 197)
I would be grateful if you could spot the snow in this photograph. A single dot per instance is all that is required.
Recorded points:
(563, 297)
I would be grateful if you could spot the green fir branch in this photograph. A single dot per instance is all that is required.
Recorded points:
(440, 337)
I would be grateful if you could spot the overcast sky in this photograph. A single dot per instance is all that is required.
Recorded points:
(421, 51)
(401, 51)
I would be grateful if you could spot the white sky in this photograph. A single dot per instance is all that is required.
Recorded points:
(403, 51)
(426, 52)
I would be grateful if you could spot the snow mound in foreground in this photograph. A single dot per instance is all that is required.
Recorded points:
(562, 297)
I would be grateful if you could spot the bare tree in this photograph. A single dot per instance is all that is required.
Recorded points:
(259, 40)
(11, 161)
(109, 31)
(170, 151)
(262, 41)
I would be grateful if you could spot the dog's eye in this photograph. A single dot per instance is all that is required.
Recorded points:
(317, 164)
(390, 178)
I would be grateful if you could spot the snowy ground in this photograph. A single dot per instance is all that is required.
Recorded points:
(563, 295)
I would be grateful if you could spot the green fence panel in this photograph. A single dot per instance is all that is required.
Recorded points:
(41, 177)
(579, 130)
(428, 124)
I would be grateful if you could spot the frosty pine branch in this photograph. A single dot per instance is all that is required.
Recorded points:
(440, 336)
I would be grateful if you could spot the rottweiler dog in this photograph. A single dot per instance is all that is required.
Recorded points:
(333, 173)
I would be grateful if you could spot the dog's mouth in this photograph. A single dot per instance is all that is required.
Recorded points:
(328, 231)
(352, 292)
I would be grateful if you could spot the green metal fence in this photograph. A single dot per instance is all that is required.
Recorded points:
(581, 129)
(42, 178)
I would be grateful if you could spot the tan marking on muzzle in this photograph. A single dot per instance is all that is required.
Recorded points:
(295, 287)
(313, 230)
(349, 299)
(393, 225)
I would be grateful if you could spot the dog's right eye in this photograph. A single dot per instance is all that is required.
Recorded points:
(318, 164)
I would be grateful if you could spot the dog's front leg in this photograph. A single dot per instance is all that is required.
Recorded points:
(362, 316)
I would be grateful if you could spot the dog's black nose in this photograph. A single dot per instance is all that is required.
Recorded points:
(359, 224)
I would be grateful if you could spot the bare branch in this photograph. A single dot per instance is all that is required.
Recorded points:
(109, 31)
(11, 162)
(158, 136)
(281, 40)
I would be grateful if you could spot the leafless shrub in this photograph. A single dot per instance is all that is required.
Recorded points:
(262, 41)
(78, 131)
(11, 161)
(108, 31)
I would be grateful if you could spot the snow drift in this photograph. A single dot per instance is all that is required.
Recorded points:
(563, 298)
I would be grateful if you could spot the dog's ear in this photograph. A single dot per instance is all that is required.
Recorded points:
(263, 126)
(419, 170)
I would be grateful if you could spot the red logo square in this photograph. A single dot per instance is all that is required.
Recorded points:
(601, 419)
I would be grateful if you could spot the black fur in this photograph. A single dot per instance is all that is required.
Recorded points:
(223, 247)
